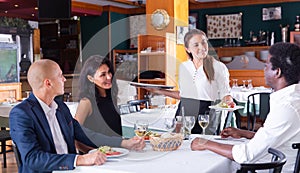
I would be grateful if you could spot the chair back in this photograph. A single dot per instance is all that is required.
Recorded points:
(17, 154)
(297, 162)
(274, 166)
(257, 108)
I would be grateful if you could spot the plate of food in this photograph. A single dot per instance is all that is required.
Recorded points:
(149, 134)
(146, 85)
(225, 106)
(111, 151)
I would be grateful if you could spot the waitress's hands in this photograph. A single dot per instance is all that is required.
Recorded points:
(154, 91)
(229, 101)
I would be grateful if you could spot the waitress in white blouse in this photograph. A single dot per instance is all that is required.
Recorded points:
(202, 80)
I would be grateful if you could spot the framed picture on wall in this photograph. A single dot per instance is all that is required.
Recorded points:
(272, 13)
(193, 19)
(180, 32)
(224, 26)
(295, 37)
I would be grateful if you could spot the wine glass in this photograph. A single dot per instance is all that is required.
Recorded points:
(244, 84)
(189, 122)
(170, 124)
(141, 128)
(203, 120)
(250, 86)
(234, 83)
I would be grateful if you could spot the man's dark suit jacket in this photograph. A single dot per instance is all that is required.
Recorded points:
(31, 133)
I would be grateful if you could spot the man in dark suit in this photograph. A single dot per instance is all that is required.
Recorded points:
(43, 128)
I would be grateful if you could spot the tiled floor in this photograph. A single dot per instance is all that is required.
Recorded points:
(11, 163)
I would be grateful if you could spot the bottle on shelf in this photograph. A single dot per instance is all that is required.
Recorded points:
(297, 24)
(272, 39)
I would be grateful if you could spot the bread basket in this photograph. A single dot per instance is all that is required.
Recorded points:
(166, 142)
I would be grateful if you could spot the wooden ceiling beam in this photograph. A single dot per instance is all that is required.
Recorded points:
(131, 11)
(232, 3)
(82, 7)
(133, 3)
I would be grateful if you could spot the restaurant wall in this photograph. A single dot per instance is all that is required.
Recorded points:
(93, 25)
(252, 19)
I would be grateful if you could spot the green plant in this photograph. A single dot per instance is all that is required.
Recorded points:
(14, 22)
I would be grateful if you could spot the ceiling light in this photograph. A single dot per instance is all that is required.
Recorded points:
(36, 8)
(32, 15)
(5, 11)
(16, 5)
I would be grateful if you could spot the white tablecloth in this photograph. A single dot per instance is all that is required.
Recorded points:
(155, 117)
(241, 94)
(180, 160)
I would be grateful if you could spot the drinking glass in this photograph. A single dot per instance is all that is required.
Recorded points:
(203, 120)
(141, 128)
(234, 83)
(250, 86)
(189, 122)
(244, 83)
(170, 124)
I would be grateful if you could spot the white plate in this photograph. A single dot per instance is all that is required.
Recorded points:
(216, 107)
(145, 85)
(123, 152)
(146, 154)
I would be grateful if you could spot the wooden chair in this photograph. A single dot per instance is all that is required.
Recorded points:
(274, 166)
(4, 137)
(17, 154)
(254, 112)
(297, 162)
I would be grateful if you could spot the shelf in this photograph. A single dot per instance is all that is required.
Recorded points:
(237, 51)
(152, 80)
(161, 61)
(60, 42)
(130, 68)
(153, 54)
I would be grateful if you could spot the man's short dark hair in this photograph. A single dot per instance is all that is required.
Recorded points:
(286, 56)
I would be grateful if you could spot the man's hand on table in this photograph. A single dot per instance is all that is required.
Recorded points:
(135, 143)
(199, 144)
(236, 133)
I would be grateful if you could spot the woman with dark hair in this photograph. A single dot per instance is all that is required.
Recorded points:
(96, 111)
(202, 80)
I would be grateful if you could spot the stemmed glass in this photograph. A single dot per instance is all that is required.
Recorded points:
(203, 120)
(244, 83)
(170, 124)
(234, 83)
(250, 86)
(189, 122)
(141, 128)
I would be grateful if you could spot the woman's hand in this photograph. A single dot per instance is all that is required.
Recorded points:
(135, 143)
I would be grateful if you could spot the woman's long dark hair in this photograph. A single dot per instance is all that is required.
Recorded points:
(88, 88)
(208, 61)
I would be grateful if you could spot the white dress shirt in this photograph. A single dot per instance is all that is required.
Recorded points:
(59, 141)
(194, 84)
(280, 130)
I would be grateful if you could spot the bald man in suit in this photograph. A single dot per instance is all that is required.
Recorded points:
(43, 128)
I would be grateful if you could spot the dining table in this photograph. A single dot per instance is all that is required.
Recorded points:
(155, 118)
(181, 160)
(5, 109)
(240, 94)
